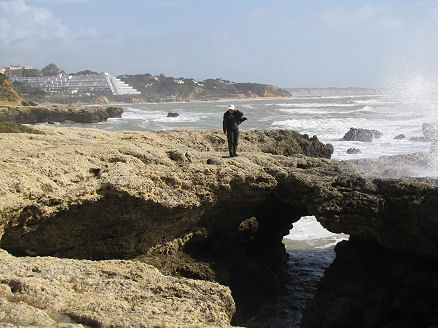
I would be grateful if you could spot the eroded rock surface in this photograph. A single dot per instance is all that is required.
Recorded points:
(43, 114)
(52, 292)
(173, 199)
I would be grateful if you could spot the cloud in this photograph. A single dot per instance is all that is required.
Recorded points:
(59, 2)
(390, 23)
(21, 23)
(256, 14)
(366, 14)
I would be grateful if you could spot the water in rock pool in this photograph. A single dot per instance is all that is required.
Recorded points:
(310, 246)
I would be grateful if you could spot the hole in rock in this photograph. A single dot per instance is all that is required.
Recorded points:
(311, 251)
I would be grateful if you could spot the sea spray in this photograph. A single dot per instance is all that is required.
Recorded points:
(412, 74)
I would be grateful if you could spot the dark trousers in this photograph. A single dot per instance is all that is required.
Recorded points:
(233, 140)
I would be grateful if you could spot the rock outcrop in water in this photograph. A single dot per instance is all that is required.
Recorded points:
(172, 199)
(44, 114)
(364, 135)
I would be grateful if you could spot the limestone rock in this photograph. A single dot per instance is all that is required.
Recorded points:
(42, 114)
(171, 199)
(8, 95)
(48, 291)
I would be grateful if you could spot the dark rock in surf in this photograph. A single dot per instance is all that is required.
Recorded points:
(419, 139)
(172, 115)
(399, 137)
(353, 151)
(361, 135)
(403, 290)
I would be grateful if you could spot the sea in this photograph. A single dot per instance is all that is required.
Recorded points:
(329, 117)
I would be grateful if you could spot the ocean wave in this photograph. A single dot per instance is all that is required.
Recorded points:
(314, 105)
(309, 233)
(309, 228)
(249, 106)
(178, 119)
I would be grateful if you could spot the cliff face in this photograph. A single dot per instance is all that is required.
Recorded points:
(172, 199)
(8, 96)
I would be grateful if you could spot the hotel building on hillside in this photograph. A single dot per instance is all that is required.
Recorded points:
(100, 84)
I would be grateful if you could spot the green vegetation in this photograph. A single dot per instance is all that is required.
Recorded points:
(28, 91)
(6, 127)
(31, 72)
(162, 88)
(85, 72)
(51, 70)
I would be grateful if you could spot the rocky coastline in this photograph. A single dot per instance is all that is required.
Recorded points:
(211, 225)
(55, 113)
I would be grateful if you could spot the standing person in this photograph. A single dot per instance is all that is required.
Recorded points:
(232, 119)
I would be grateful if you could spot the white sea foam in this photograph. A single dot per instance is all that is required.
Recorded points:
(315, 105)
(248, 106)
(309, 233)
(308, 228)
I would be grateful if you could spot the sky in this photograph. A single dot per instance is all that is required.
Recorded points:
(287, 43)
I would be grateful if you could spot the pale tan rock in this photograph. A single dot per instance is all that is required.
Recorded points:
(107, 294)
(175, 200)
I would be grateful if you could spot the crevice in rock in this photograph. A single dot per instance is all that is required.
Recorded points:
(236, 243)
(117, 226)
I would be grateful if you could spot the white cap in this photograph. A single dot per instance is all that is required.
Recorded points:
(232, 107)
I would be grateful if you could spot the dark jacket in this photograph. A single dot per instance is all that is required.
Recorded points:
(232, 120)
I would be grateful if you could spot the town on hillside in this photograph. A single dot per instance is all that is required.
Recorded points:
(53, 85)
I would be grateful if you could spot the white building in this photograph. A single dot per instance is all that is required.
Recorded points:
(102, 83)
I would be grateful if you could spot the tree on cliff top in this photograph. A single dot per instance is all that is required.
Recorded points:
(85, 72)
(51, 70)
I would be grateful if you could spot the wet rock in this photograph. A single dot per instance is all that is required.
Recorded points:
(364, 135)
(400, 136)
(369, 286)
(353, 151)
(172, 115)
(419, 139)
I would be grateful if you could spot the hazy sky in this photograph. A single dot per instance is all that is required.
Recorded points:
(286, 43)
